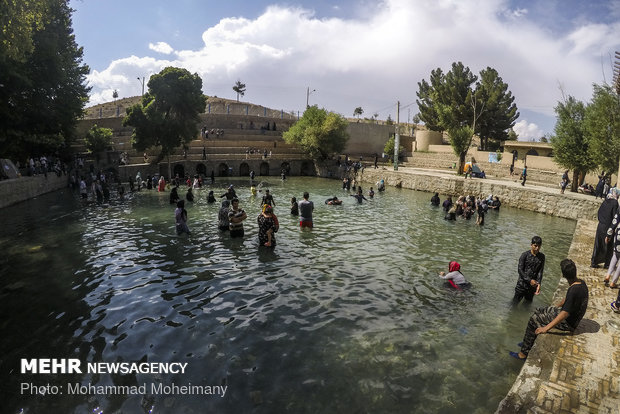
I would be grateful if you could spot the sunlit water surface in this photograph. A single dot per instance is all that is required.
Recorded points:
(349, 317)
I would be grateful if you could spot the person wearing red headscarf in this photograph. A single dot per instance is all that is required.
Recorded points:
(454, 276)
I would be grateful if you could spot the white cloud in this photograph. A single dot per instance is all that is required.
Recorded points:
(161, 47)
(527, 131)
(375, 60)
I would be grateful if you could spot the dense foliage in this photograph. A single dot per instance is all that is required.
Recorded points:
(98, 139)
(319, 133)
(458, 98)
(388, 149)
(168, 116)
(42, 89)
(602, 124)
(571, 144)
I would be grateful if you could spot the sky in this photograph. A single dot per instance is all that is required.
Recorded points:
(344, 54)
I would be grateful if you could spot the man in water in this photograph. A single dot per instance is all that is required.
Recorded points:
(531, 266)
(305, 211)
(565, 316)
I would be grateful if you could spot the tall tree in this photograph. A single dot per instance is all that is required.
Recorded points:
(500, 111)
(571, 147)
(455, 99)
(602, 124)
(239, 88)
(319, 133)
(43, 90)
(358, 112)
(168, 116)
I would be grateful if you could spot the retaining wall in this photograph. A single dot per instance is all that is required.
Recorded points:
(23, 188)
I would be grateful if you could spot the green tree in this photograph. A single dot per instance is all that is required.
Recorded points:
(389, 148)
(168, 116)
(602, 124)
(512, 135)
(319, 133)
(43, 88)
(455, 99)
(460, 140)
(20, 20)
(98, 139)
(500, 112)
(239, 88)
(358, 112)
(571, 146)
(389, 120)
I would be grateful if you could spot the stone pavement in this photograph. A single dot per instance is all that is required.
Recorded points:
(577, 373)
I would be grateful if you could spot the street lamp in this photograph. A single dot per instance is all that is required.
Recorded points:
(142, 82)
(308, 92)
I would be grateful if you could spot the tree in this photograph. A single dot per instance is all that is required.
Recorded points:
(571, 147)
(460, 140)
(98, 139)
(450, 101)
(389, 120)
(500, 111)
(389, 148)
(319, 133)
(115, 95)
(20, 20)
(358, 112)
(602, 125)
(512, 135)
(239, 88)
(43, 88)
(168, 116)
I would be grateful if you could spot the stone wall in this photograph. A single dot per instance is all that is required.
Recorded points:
(21, 189)
(510, 194)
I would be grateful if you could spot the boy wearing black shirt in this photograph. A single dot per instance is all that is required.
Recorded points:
(566, 316)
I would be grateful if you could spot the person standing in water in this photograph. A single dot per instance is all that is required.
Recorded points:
(306, 207)
(180, 216)
(531, 266)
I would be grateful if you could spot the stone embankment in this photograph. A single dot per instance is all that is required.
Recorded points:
(538, 198)
(23, 188)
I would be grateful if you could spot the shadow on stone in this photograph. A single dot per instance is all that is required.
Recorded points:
(585, 326)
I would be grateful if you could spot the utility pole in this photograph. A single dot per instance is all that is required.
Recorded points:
(396, 137)
(308, 92)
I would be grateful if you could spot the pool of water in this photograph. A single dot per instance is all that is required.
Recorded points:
(349, 317)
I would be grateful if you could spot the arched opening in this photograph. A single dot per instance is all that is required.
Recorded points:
(244, 169)
(179, 170)
(201, 169)
(307, 168)
(264, 168)
(222, 170)
(532, 151)
(286, 168)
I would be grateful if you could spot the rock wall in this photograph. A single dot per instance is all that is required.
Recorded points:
(509, 193)
(21, 189)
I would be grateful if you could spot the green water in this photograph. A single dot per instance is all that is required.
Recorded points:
(349, 317)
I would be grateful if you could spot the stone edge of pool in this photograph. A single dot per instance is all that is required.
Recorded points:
(564, 374)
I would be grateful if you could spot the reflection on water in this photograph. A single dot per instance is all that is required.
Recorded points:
(349, 317)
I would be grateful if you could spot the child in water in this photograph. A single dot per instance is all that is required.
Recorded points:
(294, 207)
(454, 277)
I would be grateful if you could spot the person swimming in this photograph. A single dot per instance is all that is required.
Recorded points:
(334, 201)
(454, 277)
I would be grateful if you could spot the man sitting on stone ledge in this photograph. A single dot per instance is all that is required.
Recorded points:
(566, 316)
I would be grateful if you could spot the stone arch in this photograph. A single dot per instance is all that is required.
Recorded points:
(532, 151)
(179, 170)
(222, 170)
(244, 169)
(264, 168)
(306, 168)
(201, 169)
(286, 167)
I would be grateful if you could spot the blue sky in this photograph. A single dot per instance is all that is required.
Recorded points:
(352, 52)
